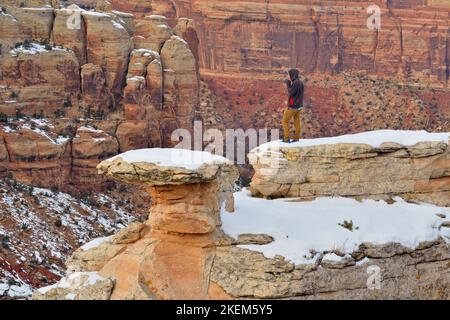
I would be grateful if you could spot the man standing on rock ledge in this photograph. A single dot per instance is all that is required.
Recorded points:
(295, 104)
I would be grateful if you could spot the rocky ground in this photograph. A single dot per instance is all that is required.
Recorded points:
(40, 228)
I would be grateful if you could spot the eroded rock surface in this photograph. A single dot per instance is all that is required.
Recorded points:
(416, 173)
(170, 256)
(181, 252)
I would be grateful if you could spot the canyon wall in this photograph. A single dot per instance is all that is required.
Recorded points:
(77, 86)
(315, 36)
(357, 79)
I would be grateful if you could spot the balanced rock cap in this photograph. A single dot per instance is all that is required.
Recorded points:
(158, 167)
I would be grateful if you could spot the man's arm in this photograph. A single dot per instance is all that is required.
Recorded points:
(294, 88)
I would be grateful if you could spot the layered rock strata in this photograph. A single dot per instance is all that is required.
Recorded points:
(77, 67)
(417, 172)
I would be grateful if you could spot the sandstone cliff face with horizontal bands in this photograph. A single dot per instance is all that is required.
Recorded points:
(244, 46)
(322, 36)
(122, 79)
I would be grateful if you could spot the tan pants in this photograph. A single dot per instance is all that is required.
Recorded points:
(288, 115)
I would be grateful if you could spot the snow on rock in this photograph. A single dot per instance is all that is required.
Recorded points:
(123, 14)
(373, 138)
(4, 14)
(300, 228)
(174, 37)
(178, 158)
(117, 25)
(96, 14)
(90, 129)
(43, 227)
(95, 243)
(73, 281)
(137, 79)
(33, 49)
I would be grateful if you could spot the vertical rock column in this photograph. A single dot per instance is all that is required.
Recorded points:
(183, 218)
(170, 256)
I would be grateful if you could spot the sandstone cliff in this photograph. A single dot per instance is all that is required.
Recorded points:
(363, 79)
(100, 71)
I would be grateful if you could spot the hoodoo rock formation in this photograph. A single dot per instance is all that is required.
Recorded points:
(417, 172)
(171, 255)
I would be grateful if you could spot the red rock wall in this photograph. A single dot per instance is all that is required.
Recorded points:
(91, 75)
(252, 43)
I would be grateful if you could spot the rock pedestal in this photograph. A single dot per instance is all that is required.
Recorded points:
(171, 255)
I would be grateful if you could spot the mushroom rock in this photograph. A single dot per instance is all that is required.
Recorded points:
(170, 256)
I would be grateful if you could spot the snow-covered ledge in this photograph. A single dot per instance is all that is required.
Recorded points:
(379, 165)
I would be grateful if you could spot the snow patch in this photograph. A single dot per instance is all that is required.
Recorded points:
(96, 14)
(178, 39)
(34, 49)
(8, 16)
(300, 227)
(90, 129)
(74, 281)
(179, 158)
(136, 78)
(123, 14)
(373, 138)
(95, 243)
(117, 25)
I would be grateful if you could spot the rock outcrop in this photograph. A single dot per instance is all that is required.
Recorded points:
(171, 255)
(64, 154)
(407, 274)
(417, 172)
